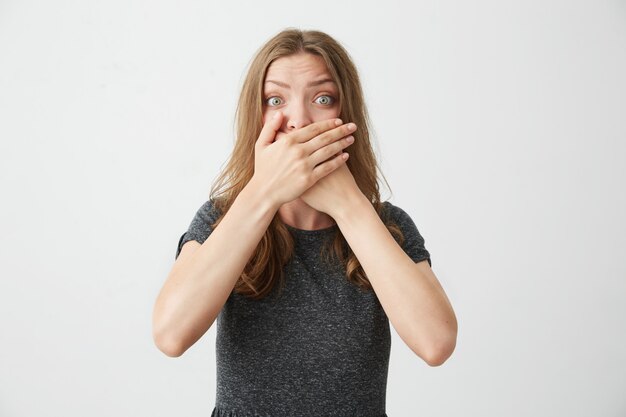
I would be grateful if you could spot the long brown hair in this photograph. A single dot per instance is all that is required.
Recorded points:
(265, 267)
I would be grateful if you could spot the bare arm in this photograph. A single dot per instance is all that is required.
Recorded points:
(409, 292)
(203, 276)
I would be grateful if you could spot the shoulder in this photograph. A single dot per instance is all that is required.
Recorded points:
(207, 213)
(412, 240)
(396, 214)
(201, 224)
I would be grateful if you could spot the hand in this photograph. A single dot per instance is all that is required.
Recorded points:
(334, 191)
(286, 165)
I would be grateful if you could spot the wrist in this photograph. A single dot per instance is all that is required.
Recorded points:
(350, 206)
(259, 195)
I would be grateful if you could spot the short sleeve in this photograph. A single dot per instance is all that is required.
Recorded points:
(200, 227)
(414, 244)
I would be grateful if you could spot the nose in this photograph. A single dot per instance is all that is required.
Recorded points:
(297, 116)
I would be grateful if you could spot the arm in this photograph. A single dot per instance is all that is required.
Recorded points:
(203, 276)
(409, 292)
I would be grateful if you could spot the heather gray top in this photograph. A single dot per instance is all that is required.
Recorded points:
(320, 349)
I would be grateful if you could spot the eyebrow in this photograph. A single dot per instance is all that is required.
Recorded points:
(311, 84)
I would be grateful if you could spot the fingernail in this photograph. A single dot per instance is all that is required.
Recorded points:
(275, 116)
(338, 122)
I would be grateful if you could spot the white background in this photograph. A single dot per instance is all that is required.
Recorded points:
(500, 126)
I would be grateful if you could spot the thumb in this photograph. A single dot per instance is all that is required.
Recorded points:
(268, 133)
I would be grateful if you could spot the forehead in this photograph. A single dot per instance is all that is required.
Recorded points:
(301, 64)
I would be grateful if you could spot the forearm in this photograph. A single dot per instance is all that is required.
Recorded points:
(409, 292)
(197, 287)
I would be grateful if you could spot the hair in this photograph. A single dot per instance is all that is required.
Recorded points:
(264, 269)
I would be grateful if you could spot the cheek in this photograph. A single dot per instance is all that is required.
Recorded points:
(317, 114)
(266, 117)
(325, 114)
(334, 111)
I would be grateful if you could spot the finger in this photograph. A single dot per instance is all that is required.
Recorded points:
(331, 150)
(326, 168)
(268, 132)
(306, 133)
(329, 137)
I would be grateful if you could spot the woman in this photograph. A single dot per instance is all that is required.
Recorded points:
(296, 256)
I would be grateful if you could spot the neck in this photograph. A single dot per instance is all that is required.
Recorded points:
(300, 215)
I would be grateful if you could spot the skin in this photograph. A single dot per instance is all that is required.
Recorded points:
(203, 276)
(409, 292)
(300, 106)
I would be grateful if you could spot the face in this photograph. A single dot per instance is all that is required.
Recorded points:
(301, 87)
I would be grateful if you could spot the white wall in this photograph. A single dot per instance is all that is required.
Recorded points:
(501, 128)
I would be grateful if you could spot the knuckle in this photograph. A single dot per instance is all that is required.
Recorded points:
(305, 179)
(308, 131)
(339, 145)
(317, 131)
(323, 139)
(324, 126)
(328, 137)
(301, 167)
(327, 152)
(318, 128)
(298, 152)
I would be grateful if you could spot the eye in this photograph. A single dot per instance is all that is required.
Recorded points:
(327, 100)
(273, 103)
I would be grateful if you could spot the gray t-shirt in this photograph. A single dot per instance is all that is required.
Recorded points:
(319, 349)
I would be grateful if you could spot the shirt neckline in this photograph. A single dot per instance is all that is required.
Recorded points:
(316, 232)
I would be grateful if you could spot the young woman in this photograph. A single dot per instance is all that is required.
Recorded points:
(295, 255)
